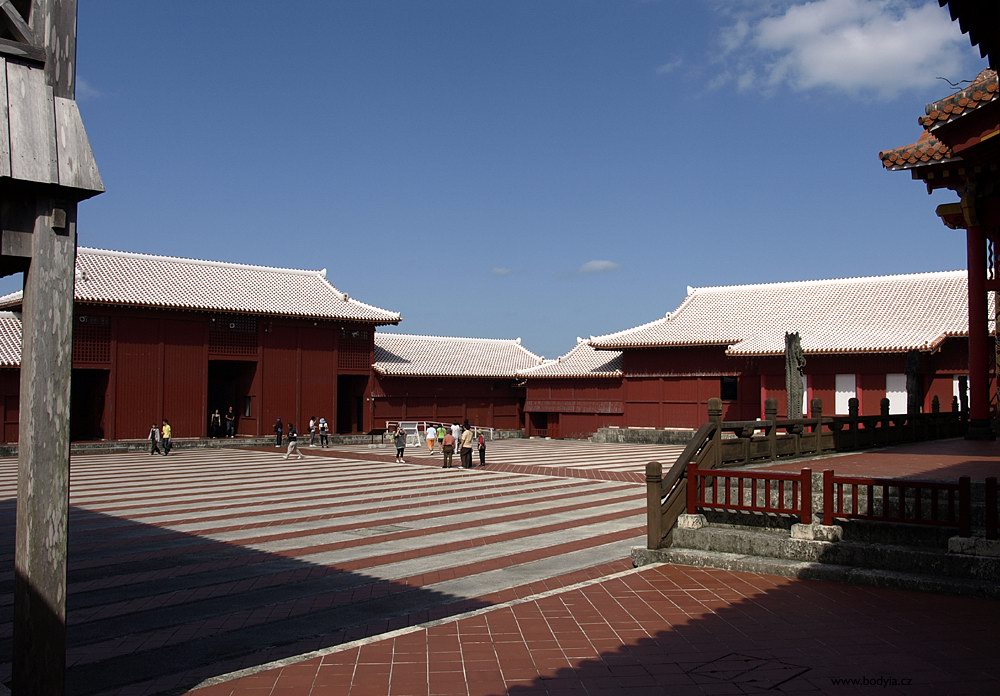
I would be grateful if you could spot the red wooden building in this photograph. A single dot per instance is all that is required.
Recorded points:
(448, 380)
(728, 342)
(575, 394)
(959, 150)
(159, 337)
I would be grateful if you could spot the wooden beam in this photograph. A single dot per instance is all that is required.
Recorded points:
(39, 656)
(4, 124)
(55, 21)
(77, 166)
(20, 50)
(16, 23)
(32, 125)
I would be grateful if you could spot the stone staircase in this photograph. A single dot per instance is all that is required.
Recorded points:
(878, 554)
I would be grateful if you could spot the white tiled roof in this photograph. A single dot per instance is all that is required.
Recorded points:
(126, 278)
(443, 356)
(864, 315)
(582, 361)
(10, 339)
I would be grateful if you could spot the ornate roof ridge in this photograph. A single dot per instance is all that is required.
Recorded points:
(203, 262)
(983, 89)
(434, 337)
(825, 281)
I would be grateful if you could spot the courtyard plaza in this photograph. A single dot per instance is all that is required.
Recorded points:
(238, 572)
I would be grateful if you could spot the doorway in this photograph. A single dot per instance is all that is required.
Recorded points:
(88, 398)
(230, 383)
(351, 404)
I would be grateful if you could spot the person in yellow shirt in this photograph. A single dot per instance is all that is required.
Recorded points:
(165, 438)
(466, 450)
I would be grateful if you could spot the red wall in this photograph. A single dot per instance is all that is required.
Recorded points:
(573, 408)
(158, 365)
(494, 403)
(665, 388)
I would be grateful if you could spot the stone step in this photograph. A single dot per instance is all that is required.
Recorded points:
(887, 557)
(816, 571)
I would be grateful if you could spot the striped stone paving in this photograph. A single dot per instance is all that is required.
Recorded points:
(206, 562)
(573, 458)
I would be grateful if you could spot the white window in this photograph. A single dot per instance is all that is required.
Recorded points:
(847, 388)
(956, 390)
(895, 392)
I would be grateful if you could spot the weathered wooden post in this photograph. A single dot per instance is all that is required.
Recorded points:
(816, 409)
(715, 416)
(883, 408)
(654, 511)
(771, 415)
(854, 413)
(46, 168)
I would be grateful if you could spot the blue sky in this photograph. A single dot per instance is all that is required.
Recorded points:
(538, 169)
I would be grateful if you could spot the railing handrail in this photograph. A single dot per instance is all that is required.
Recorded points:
(701, 439)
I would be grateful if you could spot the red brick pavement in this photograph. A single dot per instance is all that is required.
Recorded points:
(942, 460)
(669, 630)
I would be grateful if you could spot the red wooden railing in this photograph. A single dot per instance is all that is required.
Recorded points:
(750, 491)
(933, 503)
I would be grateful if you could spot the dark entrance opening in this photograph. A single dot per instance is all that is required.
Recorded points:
(351, 403)
(87, 401)
(538, 424)
(229, 384)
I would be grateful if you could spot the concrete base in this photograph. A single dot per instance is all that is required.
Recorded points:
(817, 532)
(973, 546)
(691, 522)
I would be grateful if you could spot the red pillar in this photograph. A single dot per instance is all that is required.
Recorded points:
(979, 370)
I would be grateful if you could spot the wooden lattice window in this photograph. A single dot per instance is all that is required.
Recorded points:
(92, 339)
(355, 349)
(233, 335)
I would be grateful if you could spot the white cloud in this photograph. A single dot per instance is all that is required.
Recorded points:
(502, 271)
(878, 47)
(599, 266)
(668, 67)
(85, 90)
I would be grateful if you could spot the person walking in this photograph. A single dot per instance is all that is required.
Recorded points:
(324, 432)
(215, 424)
(466, 448)
(230, 423)
(456, 431)
(293, 443)
(312, 431)
(448, 449)
(400, 442)
(277, 433)
(482, 450)
(154, 439)
(440, 434)
(165, 437)
(430, 432)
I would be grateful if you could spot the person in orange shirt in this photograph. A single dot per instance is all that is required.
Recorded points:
(448, 448)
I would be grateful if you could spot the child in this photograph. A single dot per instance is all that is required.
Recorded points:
(482, 450)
